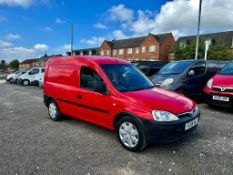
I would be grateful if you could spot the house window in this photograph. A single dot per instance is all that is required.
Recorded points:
(143, 59)
(232, 42)
(114, 52)
(137, 59)
(121, 51)
(130, 50)
(152, 59)
(102, 53)
(143, 49)
(108, 52)
(152, 48)
(137, 50)
(183, 44)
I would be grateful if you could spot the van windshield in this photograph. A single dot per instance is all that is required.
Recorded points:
(175, 67)
(228, 69)
(126, 77)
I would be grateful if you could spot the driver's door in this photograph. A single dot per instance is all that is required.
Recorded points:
(32, 74)
(196, 78)
(92, 106)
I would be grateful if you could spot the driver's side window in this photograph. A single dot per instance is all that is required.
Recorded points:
(34, 71)
(198, 69)
(91, 80)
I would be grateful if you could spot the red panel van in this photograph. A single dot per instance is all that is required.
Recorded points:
(114, 94)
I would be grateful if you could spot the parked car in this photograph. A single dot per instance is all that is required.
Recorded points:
(29, 77)
(187, 77)
(150, 68)
(39, 80)
(116, 95)
(219, 89)
(13, 77)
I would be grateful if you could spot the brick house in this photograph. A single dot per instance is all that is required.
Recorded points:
(87, 51)
(27, 64)
(215, 38)
(41, 62)
(151, 47)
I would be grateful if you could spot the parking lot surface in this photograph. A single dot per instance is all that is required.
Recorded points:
(31, 143)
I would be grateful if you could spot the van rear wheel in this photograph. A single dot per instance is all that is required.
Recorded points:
(53, 111)
(11, 80)
(131, 134)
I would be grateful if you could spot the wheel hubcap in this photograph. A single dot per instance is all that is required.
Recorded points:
(25, 83)
(128, 134)
(52, 110)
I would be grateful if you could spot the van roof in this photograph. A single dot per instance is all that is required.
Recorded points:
(96, 59)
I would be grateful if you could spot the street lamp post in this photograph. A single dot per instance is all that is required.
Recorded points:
(71, 40)
(198, 30)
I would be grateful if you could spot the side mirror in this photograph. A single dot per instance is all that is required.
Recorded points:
(191, 73)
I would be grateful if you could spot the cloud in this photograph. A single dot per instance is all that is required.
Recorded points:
(100, 26)
(63, 48)
(11, 36)
(41, 47)
(46, 29)
(22, 53)
(59, 21)
(4, 44)
(21, 3)
(2, 18)
(118, 34)
(120, 13)
(93, 40)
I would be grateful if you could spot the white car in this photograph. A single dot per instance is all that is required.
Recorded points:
(39, 80)
(30, 76)
(13, 77)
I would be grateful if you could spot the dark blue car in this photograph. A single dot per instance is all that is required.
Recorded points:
(187, 77)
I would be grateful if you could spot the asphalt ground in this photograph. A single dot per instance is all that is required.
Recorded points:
(31, 143)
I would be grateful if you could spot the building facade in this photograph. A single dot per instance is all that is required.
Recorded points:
(88, 51)
(149, 48)
(214, 38)
(27, 64)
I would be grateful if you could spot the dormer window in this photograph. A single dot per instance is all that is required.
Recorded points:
(232, 42)
(183, 44)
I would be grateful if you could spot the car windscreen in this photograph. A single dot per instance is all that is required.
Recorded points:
(126, 77)
(228, 69)
(175, 67)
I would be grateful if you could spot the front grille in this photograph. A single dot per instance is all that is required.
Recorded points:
(222, 88)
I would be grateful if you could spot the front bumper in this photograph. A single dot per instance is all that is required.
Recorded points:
(165, 132)
(209, 99)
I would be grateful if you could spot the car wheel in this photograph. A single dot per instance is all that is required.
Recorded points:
(11, 80)
(26, 82)
(53, 111)
(131, 134)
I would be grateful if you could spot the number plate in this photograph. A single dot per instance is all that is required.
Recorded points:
(191, 124)
(220, 98)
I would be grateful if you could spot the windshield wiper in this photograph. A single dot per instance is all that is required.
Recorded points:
(149, 87)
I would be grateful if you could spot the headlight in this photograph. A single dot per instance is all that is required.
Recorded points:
(160, 115)
(167, 82)
(209, 83)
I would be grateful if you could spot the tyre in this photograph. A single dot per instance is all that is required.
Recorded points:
(11, 80)
(26, 82)
(53, 111)
(130, 134)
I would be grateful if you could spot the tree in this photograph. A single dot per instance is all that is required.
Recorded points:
(14, 64)
(2, 64)
(218, 51)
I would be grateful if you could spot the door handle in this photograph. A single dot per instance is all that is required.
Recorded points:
(79, 96)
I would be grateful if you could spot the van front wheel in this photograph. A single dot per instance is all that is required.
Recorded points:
(26, 82)
(131, 134)
(53, 111)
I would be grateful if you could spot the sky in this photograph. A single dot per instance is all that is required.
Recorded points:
(31, 28)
